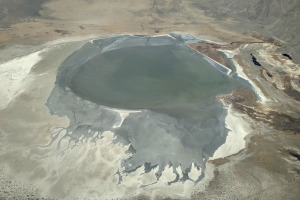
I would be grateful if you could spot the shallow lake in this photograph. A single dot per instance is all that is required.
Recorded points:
(168, 78)
(180, 120)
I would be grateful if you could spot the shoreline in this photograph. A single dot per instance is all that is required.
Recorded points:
(240, 73)
(236, 141)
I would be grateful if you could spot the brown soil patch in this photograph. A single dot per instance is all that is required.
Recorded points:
(244, 101)
(289, 90)
(210, 50)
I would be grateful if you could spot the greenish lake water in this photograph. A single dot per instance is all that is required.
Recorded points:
(167, 78)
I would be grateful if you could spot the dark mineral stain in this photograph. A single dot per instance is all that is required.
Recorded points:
(295, 155)
(269, 74)
(254, 60)
(62, 32)
(287, 55)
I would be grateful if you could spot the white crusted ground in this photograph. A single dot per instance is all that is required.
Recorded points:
(235, 141)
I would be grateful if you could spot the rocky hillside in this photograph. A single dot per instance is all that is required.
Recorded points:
(279, 19)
